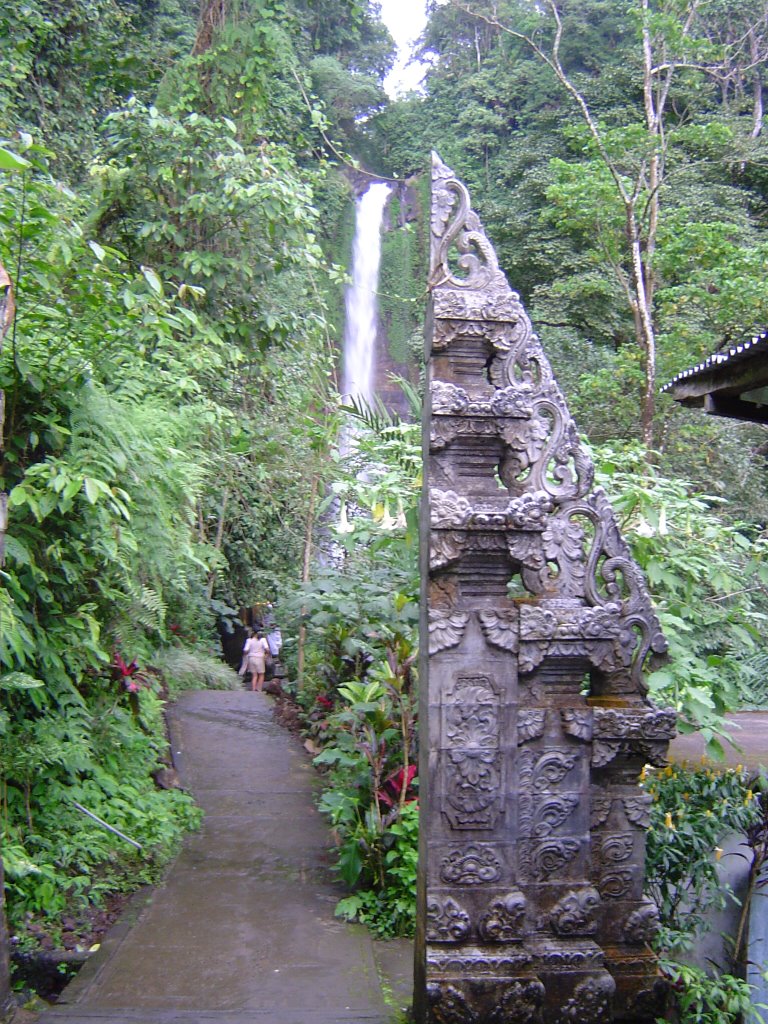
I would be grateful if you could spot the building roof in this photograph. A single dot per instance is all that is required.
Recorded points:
(732, 383)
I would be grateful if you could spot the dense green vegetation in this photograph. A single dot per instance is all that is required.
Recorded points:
(174, 226)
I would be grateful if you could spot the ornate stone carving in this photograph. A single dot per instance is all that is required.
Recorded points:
(474, 962)
(617, 848)
(446, 629)
(591, 1002)
(500, 628)
(530, 724)
(599, 810)
(473, 787)
(447, 1005)
(644, 724)
(531, 592)
(616, 885)
(638, 809)
(574, 914)
(521, 1002)
(471, 865)
(542, 771)
(642, 924)
(577, 723)
(446, 920)
(540, 861)
(503, 921)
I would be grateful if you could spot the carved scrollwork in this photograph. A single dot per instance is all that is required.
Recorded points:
(446, 629)
(541, 771)
(591, 1002)
(577, 723)
(445, 547)
(447, 1005)
(530, 724)
(542, 860)
(447, 509)
(473, 788)
(640, 723)
(638, 809)
(521, 1002)
(616, 885)
(448, 399)
(471, 865)
(499, 628)
(642, 924)
(475, 963)
(574, 914)
(447, 921)
(600, 808)
(551, 813)
(504, 919)
(457, 231)
(617, 848)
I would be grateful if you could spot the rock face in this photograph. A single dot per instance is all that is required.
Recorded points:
(534, 722)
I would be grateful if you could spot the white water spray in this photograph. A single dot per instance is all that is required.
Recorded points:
(361, 299)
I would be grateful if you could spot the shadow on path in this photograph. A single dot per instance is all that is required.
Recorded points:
(243, 928)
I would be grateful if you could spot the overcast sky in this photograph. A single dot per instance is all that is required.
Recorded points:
(405, 20)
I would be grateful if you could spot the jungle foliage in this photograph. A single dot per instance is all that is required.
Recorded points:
(159, 178)
(173, 226)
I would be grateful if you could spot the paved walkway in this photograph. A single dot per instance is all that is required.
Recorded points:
(749, 730)
(243, 931)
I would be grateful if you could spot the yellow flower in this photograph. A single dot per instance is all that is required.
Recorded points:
(668, 771)
(707, 814)
(644, 773)
(749, 797)
(739, 769)
(668, 820)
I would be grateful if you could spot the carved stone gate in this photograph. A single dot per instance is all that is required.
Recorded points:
(534, 721)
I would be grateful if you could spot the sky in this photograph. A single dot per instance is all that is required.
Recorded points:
(405, 20)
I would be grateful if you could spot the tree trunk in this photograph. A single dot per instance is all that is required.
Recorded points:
(218, 540)
(306, 563)
(6, 318)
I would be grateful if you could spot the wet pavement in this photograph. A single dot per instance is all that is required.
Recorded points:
(749, 734)
(242, 931)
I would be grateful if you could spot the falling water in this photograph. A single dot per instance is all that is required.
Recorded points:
(361, 304)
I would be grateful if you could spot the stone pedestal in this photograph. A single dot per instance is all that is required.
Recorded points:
(534, 722)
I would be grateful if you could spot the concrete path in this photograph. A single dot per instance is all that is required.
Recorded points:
(749, 730)
(242, 931)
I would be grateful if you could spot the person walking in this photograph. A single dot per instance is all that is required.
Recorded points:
(255, 654)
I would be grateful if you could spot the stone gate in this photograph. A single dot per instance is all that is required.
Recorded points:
(534, 720)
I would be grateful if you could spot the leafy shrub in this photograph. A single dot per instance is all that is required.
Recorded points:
(693, 811)
(185, 669)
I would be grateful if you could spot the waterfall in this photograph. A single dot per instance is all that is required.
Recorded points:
(360, 301)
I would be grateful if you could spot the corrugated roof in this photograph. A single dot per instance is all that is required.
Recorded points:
(746, 350)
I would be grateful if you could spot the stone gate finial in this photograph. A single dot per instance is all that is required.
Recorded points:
(540, 626)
